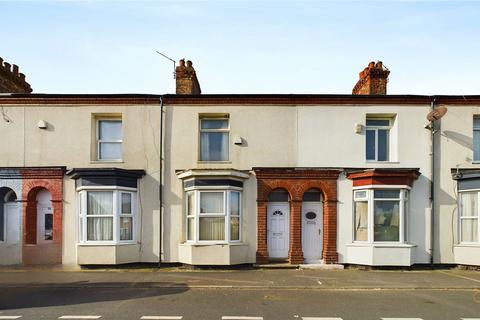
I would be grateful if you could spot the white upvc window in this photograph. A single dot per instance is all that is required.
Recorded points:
(213, 216)
(380, 215)
(109, 139)
(469, 228)
(107, 215)
(214, 139)
(377, 139)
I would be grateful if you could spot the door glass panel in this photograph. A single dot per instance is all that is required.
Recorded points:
(278, 195)
(48, 219)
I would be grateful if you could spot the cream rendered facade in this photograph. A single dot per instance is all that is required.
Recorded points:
(297, 136)
(319, 134)
(69, 140)
(454, 146)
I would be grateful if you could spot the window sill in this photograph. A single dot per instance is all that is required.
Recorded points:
(381, 245)
(106, 161)
(214, 162)
(468, 245)
(382, 162)
(109, 244)
(200, 244)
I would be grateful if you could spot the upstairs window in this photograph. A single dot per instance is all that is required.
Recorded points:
(109, 139)
(214, 139)
(377, 139)
(476, 139)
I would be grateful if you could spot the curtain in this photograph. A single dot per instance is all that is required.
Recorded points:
(361, 221)
(99, 228)
(214, 146)
(212, 228)
(126, 228)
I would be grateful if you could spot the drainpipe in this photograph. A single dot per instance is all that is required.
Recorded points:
(160, 187)
(432, 184)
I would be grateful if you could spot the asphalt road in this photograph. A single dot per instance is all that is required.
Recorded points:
(127, 302)
(160, 294)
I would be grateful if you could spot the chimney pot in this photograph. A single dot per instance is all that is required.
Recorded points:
(373, 80)
(15, 69)
(22, 76)
(186, 78)
(7, 66)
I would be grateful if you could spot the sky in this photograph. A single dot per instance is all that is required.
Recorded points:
(316, 47)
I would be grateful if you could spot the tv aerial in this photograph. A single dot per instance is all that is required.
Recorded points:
(167, 57)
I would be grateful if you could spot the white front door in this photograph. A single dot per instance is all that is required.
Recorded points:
(11, 210)
(278, 229)
(312, 231)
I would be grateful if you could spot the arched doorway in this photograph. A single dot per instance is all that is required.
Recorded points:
(41, 245)
(278, 224)
(312, 226)
(9, 216)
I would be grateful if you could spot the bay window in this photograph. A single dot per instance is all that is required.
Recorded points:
(380, 215)
(106, 215)
(469, 216)
(213, 216)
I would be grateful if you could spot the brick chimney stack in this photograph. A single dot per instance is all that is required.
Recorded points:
(187, 82)
(373, 80)
(11, 80)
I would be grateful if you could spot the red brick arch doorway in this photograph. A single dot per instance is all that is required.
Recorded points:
(296, 182)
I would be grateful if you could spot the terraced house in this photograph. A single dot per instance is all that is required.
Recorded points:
(202, 179)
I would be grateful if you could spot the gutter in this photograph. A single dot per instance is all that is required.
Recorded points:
(160, 187)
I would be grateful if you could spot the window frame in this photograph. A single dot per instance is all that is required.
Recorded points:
(99, 141)
(196, 193)
(376, 128)
(460, 218)
(116, 208)
(370, 199)
(200, 131)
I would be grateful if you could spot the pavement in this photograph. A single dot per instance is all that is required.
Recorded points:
(258, 294)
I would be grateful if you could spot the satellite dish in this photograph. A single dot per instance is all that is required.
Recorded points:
(437, 113)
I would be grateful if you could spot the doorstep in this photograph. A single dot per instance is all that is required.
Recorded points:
(276, 266)
(322, 266)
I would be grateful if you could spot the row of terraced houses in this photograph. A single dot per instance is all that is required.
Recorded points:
(354, 179)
